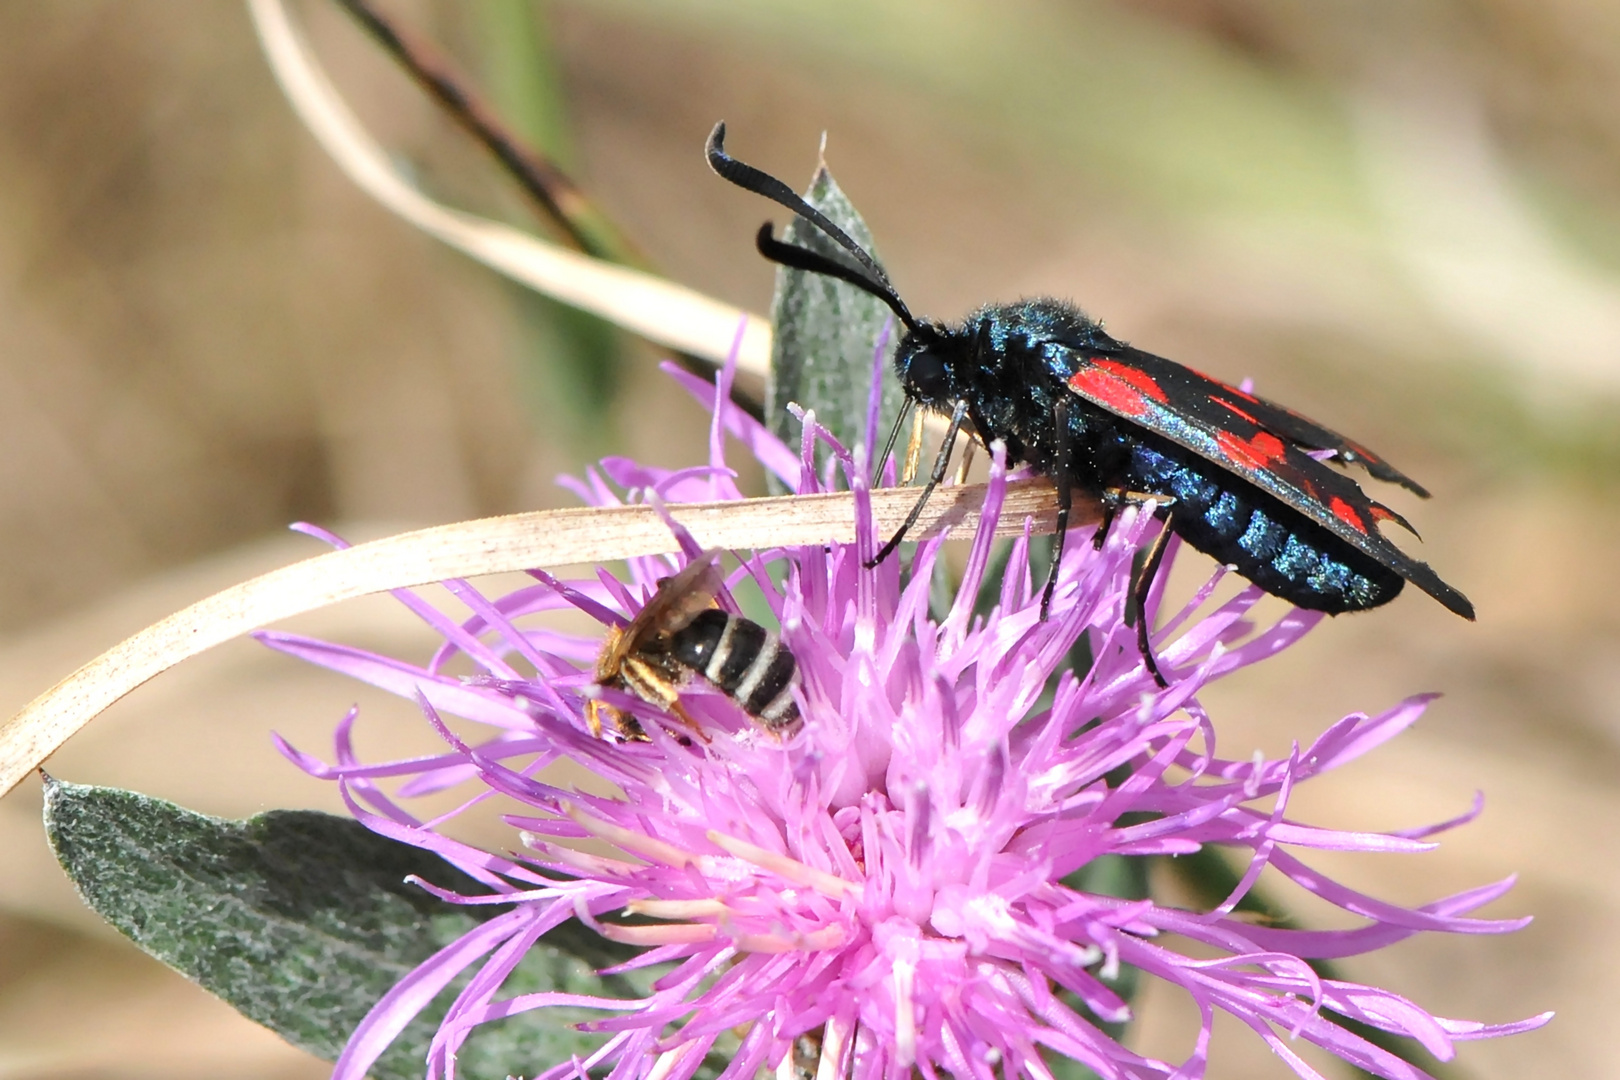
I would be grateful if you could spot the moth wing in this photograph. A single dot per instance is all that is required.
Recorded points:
(1213, 401)
(1170, 400)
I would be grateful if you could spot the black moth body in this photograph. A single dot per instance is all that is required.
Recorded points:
(1237, 477)
(679, 635)
(1033, 373)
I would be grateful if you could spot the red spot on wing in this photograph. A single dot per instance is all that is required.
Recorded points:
(1121, 395)
(1381, 512)
(1135, 377)
(1347, 514)
(1256, 453)
(1233, 408)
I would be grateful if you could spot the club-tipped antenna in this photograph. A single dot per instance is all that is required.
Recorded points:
(745, 176)
(798, 258)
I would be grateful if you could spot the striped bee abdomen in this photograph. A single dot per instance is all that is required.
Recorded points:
(744, 660)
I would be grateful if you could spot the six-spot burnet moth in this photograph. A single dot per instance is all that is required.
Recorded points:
(1241, 479)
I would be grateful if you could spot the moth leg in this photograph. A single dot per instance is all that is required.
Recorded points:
(1110, 511)
(1113, 501)
(1116, 499)
(941, 463)
(1063, 480)
(1141, 585)
(888, 447)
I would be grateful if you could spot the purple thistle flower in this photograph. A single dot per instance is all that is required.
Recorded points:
(890, 879)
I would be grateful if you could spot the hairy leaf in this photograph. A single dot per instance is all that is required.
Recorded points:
(302, 921)
(827, 333)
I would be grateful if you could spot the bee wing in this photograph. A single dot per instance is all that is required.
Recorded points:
(677, 602)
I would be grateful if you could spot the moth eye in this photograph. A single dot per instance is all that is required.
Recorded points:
(926, 376)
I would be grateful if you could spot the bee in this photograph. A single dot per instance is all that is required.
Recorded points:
(680, 634)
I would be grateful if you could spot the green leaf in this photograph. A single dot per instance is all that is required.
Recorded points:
(570, 367)
(827, 333)
(302, 921)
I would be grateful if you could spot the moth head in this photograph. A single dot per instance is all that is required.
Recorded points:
(928, 364)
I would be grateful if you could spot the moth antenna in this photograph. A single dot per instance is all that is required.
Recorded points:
(799, 258)
(763, 183)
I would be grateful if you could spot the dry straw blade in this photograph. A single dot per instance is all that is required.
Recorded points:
(652, 307)
(551, 538)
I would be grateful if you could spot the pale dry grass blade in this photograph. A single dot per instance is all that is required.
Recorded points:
(550, 538)
(658, 310)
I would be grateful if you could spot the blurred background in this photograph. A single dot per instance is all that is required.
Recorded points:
(1401, 217)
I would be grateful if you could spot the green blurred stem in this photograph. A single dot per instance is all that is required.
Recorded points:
(523, 75)
(576, 360)
(571, 364)
(516, 44)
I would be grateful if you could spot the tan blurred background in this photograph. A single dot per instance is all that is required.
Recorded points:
(1402, 217)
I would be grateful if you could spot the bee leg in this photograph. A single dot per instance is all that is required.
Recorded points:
(941, 463)
(1141, 585)
(624, 724)
(653, 685)
(678, 711)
